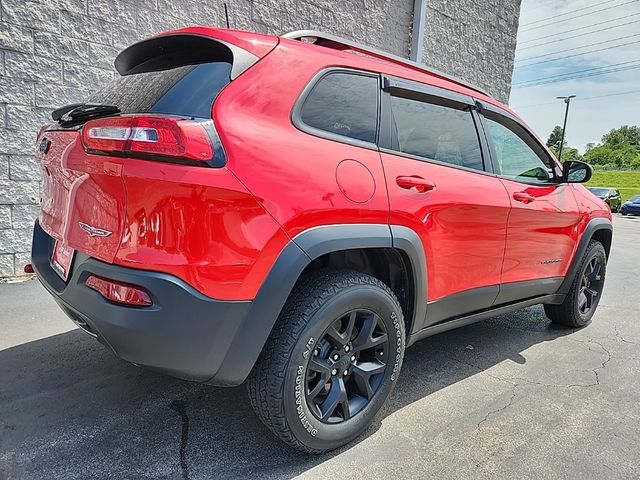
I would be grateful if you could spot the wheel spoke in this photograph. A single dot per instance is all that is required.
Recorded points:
(582, 301)
(318, 388)
(364, 339)
(337, 396)
(591, 292)
(350, 324)
(336, 338)
(594, 276)
(362, 373)
(319, 365)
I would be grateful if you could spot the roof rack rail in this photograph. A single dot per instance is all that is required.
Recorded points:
(338, 43)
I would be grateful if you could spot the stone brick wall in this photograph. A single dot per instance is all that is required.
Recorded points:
(54, 52)
(474, 40)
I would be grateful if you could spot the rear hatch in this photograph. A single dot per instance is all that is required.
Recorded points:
(175, 76)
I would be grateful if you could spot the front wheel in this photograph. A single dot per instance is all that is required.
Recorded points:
(586, 289)
(331, 361)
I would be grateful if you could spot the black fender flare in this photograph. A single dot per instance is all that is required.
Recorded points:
(257, 325)
(592, 227)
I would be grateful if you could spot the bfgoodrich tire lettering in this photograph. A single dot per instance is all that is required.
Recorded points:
(278, 383)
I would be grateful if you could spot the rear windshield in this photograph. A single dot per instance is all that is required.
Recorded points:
(186, 91)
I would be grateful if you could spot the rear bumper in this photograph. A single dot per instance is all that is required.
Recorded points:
(184, 333)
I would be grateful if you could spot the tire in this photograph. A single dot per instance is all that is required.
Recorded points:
(573, 312)
(304, 336)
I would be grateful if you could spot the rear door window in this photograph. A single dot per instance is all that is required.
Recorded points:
(342, 104)
(436, 132)
(186, 90)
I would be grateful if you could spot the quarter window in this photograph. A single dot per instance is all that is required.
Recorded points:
(436, 132)
(344, 104)
(516, 158)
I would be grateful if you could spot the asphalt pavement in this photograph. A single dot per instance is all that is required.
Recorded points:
(510, 397)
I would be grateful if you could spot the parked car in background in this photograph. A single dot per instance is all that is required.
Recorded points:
(611, 197)
(292, 213)
(631, 206)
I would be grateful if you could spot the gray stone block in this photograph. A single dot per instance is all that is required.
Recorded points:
(53, 45)
(28, 118)
(85, 28)
(16, 91)
(4, 167)
(23, 216)
(5, 216)
(23, 167)
(54, 96)
(6, 265)
(16, 38)
(90, 77)
(16, 142)
(32, 67)
(31, 14)
(15, 240)
(12, 193)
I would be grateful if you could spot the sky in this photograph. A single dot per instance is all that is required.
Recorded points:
(570, 38)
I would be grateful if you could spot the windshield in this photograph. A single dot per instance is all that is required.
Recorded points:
(599, 191)
(635, 199)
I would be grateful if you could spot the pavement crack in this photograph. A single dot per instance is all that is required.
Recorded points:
(603, 364)
(180, 408)
(621, 338)
(504, 407)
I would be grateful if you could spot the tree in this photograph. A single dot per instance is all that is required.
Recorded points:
(624, 135)
(555, 138)
(553, 142)
(620, 147)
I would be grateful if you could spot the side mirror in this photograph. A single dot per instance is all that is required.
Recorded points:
(574, 171)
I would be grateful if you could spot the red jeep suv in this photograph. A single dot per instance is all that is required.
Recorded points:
(294, 211)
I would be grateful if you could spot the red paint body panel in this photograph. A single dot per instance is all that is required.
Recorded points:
(199, 224)
(462, 223)
(81, 188)
(543, 234)
(294, 178)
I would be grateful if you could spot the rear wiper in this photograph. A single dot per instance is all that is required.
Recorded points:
(77, 113)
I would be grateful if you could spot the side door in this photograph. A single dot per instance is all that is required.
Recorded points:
(542, 228)
(441, 186)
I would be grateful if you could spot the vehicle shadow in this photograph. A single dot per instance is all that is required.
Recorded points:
(69, 409)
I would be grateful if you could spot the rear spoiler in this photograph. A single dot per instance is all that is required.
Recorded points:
(177, 49)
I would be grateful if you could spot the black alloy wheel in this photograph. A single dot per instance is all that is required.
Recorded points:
(590, 286)
(347, 366)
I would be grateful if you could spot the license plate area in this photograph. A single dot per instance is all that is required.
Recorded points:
(61, 259)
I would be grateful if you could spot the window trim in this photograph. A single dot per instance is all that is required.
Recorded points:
(537, 147)
(436, 96)
(296, 112)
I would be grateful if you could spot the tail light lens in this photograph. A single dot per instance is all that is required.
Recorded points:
(148, 137)
(119, 292)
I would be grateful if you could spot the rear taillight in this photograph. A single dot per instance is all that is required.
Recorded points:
(149, 137)
(119, 292)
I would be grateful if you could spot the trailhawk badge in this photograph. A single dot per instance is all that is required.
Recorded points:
(94, 231)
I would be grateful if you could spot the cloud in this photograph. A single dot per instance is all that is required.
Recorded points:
(565, 29)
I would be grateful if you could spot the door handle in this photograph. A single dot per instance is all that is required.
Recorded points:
(415, 183)
(523, 197)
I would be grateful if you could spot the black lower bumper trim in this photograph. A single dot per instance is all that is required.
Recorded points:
(184, 333)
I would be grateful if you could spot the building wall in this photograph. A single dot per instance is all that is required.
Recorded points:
(54, 52)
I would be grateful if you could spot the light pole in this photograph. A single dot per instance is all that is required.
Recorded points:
(567, 100)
